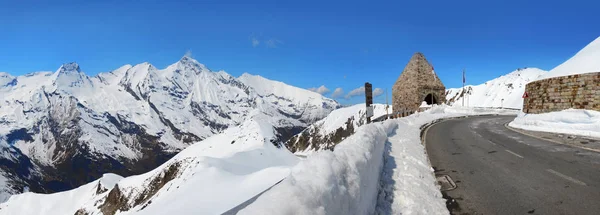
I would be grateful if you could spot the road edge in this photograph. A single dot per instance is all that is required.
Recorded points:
(549, 140)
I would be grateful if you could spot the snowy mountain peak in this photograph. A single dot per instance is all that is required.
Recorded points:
(70, 75)
(187, 62)
(69, 68)
(527, 72)
(135, 118)
(585, 61)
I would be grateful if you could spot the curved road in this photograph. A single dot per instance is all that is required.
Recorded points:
(499, 171)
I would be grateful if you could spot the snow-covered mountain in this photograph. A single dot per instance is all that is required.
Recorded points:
(210, 177)
(505, 91)
(326, 133)
(585, 61)
(62, 129)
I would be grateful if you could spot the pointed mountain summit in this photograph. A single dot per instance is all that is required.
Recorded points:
(70, 75)
(188, 63)
(418, 83)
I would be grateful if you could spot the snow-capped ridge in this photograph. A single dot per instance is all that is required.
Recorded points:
(587, 60)
(70, 75)
(504, 91)
(7, 80)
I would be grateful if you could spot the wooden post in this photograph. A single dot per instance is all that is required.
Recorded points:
(369, 101)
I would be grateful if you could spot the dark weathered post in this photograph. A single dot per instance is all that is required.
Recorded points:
(369, 102)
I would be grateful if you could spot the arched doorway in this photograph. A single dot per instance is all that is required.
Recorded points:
(430, 99)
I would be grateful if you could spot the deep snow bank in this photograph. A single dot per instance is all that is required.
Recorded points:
(347, 180)
(570, 121)
(344, 181)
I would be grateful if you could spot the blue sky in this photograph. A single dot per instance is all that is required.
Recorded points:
(303, 43)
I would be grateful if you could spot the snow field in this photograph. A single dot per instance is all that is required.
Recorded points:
(570, 121)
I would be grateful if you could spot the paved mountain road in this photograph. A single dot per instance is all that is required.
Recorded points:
(500, 171)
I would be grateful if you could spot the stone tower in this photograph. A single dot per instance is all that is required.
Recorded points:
(417, 83)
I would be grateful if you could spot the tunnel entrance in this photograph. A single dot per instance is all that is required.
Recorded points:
(430, 99)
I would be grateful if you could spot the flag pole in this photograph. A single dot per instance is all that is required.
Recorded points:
(386, 105)
(463, 88)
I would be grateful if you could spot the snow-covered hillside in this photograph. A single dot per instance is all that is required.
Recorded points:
(339, 124)
(223, 171)
(585, 61)
(209, 177)
(505, 91)
(63, 129)
(577, 122)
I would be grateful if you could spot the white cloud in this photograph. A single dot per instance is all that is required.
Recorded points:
(356, 92)
(321, 90)
(377, 92)
(255, 42)
(337, 93)
(273, 43)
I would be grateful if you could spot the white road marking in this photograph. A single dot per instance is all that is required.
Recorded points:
(566, 177)
(484, 138)
(515, 154)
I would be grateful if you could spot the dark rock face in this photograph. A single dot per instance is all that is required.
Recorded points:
(313, 139)
(417, 81)
(75, 163)
(116, 200)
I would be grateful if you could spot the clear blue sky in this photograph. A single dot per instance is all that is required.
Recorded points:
(303, 43)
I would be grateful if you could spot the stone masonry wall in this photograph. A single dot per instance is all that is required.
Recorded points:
(580, 91)
(416, 81)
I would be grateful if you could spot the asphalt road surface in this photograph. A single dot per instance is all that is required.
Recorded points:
(500, 171)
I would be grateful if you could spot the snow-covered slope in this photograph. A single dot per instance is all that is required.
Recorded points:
(585, 61)
(209, 177)
(357, 177)
(222, 171)
(505, 91)
(570, 121)
(72, 128)
(326, 133)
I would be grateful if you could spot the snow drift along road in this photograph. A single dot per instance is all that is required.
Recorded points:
(357, 177)
(570, 121)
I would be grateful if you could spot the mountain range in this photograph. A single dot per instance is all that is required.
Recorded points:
(60, 130)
